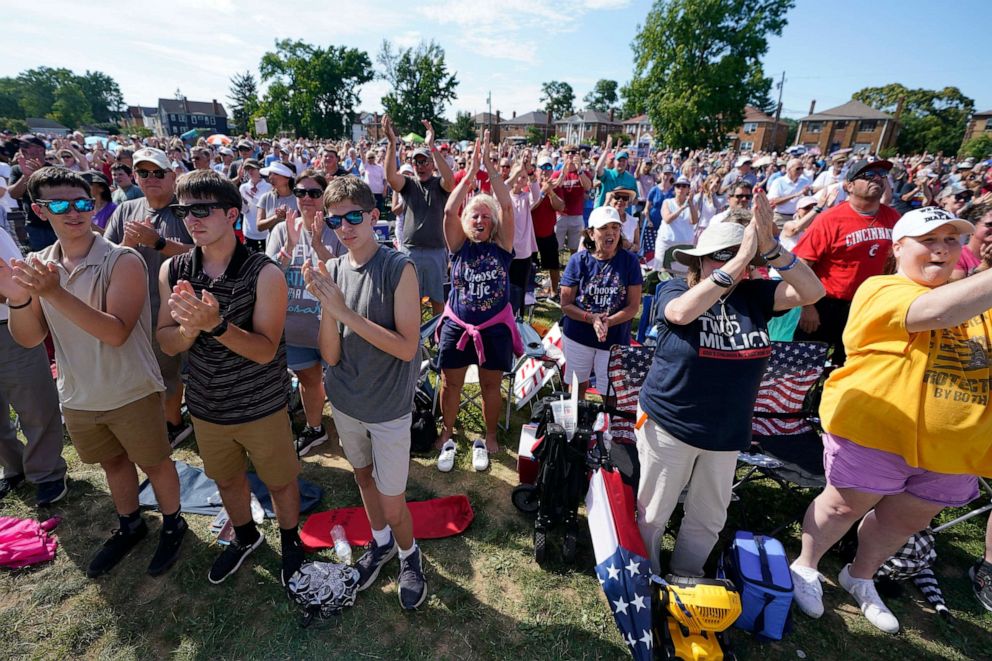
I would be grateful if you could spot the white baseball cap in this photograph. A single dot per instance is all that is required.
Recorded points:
(923, 221)
(278, 168)
(151, 155)
(602, 216)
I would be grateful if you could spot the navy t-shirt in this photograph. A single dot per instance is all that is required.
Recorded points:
(705, 375)
(479, 281)
(601, 286)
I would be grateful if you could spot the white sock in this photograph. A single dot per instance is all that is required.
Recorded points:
(383, 536)
(408, 552)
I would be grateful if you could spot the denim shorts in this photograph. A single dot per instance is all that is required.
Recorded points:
(300, 358)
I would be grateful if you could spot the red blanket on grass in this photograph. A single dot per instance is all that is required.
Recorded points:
(432, 519)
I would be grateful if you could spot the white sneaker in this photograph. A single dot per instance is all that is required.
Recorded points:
(863, 590)
(807, 591)
(446, 460)
(480, 455)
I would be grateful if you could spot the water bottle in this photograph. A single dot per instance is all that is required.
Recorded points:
(257, 513)
(341, 546)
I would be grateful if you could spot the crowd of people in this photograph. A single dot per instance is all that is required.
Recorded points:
(162, 274)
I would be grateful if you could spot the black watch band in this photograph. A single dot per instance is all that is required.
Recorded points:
(219, 329)
(159, 243)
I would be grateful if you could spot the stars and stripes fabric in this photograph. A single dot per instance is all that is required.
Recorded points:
(621, 564)
(793, 368)
(628, 367)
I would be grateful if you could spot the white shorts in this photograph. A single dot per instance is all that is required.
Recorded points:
(384, 445)
(584, 361)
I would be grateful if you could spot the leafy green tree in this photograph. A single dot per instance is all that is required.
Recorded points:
(463, 128)
(536, 136)
(103, 96)
(312, 91)
(634, 97)
(70, 107)
(243, 94)
(698, 62)
(978, 147)
(13, 124)
(38, 87)
(931, 120)
(10, 98)
(603, 96)
(420, 85)
(558, 99)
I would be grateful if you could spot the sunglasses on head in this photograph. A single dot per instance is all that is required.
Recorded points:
(199, 210)
(353, 217)
(724, 255)
(59, 207)
(144, 174)
(312, 193)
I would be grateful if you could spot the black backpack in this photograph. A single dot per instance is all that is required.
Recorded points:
(423, 428)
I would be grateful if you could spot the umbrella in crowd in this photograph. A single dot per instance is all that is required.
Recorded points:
(412, 137)
(93, 139)
(219, 140)
(621, 563)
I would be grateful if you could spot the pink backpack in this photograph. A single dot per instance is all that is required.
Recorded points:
(25, 542)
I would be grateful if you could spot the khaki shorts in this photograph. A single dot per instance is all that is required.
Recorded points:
(384, 445)
(268, 442)
(136, 429)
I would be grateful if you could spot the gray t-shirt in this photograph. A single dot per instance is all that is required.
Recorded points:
(271, 201)
(423, 226)
(164, 222)
(302, 310)
(367, 383)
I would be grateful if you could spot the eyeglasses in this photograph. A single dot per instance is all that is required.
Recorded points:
(353, 217)
(724, 255)
(505, 165)
(144, 174)
(871, 174)
(420, 161)
(200, 210)
(312, 193)
(59, 207)
(547, 167)
(744, 196)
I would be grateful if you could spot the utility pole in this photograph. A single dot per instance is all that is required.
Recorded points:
(778, 110)
(489, 116)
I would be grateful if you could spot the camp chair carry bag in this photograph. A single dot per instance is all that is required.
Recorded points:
(758, 566)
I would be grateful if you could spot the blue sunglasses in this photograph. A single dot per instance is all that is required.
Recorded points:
(59, 207)
(353, 217)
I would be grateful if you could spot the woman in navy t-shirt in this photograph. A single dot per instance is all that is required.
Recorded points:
(697, 401)
(600, 294)
(478, 326)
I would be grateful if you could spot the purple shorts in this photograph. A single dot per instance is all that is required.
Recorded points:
(851, 466)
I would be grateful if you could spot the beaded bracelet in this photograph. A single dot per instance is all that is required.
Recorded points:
(788, 267)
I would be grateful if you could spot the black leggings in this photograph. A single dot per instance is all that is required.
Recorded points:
(519, 275)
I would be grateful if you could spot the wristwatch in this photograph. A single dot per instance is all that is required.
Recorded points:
(218, 330)
(159, 243)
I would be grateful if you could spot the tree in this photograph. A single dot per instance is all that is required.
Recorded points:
(463, 128)
(312, 91)
(70, 108)
(10, 97)
(536, 136)
(243, 94)
(103, 96)
(38, 87)
(931, 120)
(420, 85)
(634, 98)
(603, 96)
(558, 99)
(697, 63)
(979, 147)
(13, 124)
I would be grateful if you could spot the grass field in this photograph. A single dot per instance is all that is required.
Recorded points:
(489, 599)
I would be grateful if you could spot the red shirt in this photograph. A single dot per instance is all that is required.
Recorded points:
(544, 216)
(573, 194)
(846, 248)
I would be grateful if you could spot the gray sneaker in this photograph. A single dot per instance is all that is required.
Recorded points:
(371, 562)
(411, 581)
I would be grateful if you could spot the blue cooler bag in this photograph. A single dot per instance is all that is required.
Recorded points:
(759, 568)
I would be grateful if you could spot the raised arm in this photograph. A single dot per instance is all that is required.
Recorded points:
(502, 195)
(447, 178)
(951, 304)
(393, 176)
(454, 235)
(601, 163)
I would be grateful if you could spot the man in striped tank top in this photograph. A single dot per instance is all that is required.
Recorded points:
(226, 307)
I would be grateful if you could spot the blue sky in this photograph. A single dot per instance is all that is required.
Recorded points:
(508, 47)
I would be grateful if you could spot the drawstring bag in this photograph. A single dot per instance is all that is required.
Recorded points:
(25, 542)
(322, 589)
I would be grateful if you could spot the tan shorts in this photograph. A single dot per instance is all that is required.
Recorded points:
(384, 445)
(137, 429)
(268, 442)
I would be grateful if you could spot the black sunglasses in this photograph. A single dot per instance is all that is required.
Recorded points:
(872, 174)
(420, 161)
(312, 193)
(547, 167)
(724, 255)
(353, 217)
(59, 207)
(964, 197)
(144, 174)
(200, 210)
(744, 197)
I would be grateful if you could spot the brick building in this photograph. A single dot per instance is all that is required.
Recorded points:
(759, 132)
(587, 127)
(639, 129)
(519, 126)
(853, 125)
(979, 124)
(491, 121)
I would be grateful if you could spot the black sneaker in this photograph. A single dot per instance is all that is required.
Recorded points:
(371, 562)
(169, 544)
(230, 560)
(52, 491)
(8, 484)
(114, 550)
(292, 559)
(178, 433)
(310, 438)
(981, 582)
(411, 581)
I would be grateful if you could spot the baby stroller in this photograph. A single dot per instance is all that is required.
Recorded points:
(561, 480)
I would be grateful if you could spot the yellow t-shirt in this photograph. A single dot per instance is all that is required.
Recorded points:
(923, 396)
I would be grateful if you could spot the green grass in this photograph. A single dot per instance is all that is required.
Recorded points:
(489, 599)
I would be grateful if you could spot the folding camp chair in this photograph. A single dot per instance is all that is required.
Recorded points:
(986, 491)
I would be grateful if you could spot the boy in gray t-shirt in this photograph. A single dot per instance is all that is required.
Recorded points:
(370, 337)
